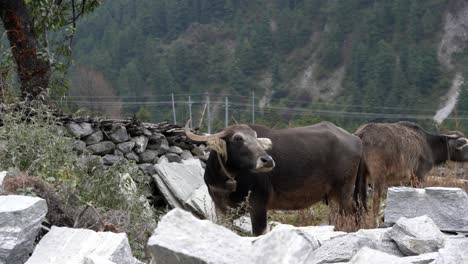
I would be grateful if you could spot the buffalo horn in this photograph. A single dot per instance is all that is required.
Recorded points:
(198, 138)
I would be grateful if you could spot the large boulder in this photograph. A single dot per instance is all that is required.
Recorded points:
(322, 233)
(177, 181)
(82, 246)
(417, 235)
(447, 207)
(284, 244)
(182, 238)
(340, 249)
(20, 222)
(201, 204)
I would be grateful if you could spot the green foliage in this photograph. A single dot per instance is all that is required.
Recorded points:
(33, 143)
(388, 48)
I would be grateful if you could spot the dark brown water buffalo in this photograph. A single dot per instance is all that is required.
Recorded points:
(403, 152)
(285, 169)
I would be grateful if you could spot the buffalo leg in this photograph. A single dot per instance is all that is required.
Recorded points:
(258, 216)
(376, 202)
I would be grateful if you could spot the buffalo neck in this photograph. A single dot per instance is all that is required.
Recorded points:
(439, 148)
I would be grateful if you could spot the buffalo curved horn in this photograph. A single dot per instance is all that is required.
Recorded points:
(213, 142)
(198, 138)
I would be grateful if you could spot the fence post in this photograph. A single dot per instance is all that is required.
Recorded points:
(190, 111)
(226, 112)
(173, 109)
(253, 107)
(208, 113)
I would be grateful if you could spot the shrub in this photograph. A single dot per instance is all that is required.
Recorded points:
(34, 143)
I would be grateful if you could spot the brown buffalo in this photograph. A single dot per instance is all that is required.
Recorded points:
(403, 152)
(284, 169)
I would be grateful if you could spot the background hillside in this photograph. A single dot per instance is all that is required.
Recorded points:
(382, 56)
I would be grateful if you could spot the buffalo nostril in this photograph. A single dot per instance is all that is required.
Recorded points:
(267, 161)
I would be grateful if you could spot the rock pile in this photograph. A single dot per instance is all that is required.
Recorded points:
(182, 238)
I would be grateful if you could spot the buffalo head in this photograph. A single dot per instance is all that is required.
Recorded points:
(239, 148)
(457, 147)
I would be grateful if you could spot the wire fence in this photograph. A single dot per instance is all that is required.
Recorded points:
(214, 111)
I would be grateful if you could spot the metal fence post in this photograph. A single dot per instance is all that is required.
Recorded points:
(173, 109)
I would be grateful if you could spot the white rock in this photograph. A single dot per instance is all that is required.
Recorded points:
(3, 174)
(322, 233)
(368, 255)
(455, 251)
(447, 207)
(417, 235)
(140, 143)
(200, 203)
(340, 249)
(79, 246)
(20, 222)
(182, 238)
(80, 130)
(180, 179)
(284, 244)
(382, 239)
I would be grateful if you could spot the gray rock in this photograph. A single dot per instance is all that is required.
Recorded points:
(182, 238)
(118, 153)
(447, 207)
(148, 168)
(454, 251)
(132, 156)
(140, 143)
(119, 135)
(171, 157)
(110, 160)
(94, 138)
(175, 150)
(146, 132)
(339, 249)
(102, 148)
(78, 146)
(163, 147)
(148, 156)
(80, 130)
(126, 147)
(284, 244)
(68, 245)
(20, 222)
(198, 151)
(156, 137)
(417, 235)
(179, 180)
(186, 155)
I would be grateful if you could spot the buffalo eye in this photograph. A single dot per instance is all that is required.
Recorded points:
(238, 138)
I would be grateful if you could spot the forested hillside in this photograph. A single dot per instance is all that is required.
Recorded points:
(376, 56)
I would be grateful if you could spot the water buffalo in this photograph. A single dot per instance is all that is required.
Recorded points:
(284, 169)
(394, 153)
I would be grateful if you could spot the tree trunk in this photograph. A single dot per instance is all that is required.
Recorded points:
(33, 72)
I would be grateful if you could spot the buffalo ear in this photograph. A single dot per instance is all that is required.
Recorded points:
(265, 143)
(218, 145)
